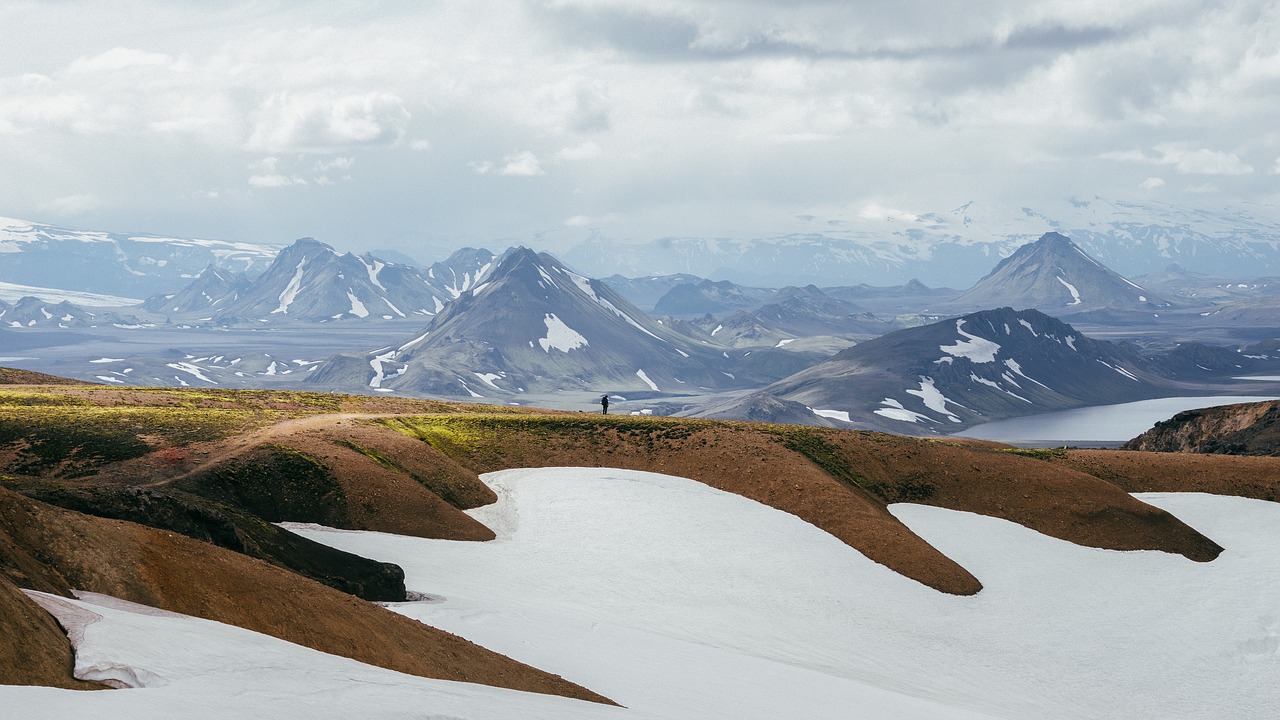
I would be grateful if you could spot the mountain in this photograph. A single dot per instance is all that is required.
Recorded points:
(213, 287)
(644, 292)
(34, 312)
(943, 377)
(536, 326)
(956, 247)
(1054, 275)
(123, 264)
(310, 282)
(461, 271)
(1261, 312)
(708, 296)
(911, 298)
(792, 313)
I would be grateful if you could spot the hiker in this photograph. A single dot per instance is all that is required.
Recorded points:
(604, 404)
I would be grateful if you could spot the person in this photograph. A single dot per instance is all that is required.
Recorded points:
(604, 404)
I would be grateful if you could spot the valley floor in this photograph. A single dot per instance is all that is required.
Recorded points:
(680, 601)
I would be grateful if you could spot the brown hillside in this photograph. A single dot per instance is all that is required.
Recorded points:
(13, 376)
(175, 573)
(35, 650)
(1251, 477)
(1242, 429)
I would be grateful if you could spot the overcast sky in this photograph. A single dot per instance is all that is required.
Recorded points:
(409, 124)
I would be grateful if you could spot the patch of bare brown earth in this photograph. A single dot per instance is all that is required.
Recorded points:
(35, 650)
(1135, 471)
(175, 573)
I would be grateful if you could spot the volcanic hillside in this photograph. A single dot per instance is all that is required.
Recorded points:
(1242, 429)
(109, 489)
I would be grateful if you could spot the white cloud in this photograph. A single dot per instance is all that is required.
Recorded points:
(1152, 183)
(275, 181)
(73, 204)
(117, 59)
(420, 145)
(522, 164)
(586, 151)
(578, 221)
(338, 163)
(1202, 161)
(876, 211)
(321, 122)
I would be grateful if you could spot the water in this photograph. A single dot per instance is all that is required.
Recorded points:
(1096, 426)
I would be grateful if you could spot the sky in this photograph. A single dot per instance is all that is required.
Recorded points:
(421, 126)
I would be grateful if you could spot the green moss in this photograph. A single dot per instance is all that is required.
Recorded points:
(73, 439)
(810, 443)
(1038, 453)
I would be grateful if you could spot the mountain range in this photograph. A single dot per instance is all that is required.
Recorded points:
(535, 326)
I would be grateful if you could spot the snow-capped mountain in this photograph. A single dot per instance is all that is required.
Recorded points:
(956, 247)
(214, 287)
(943, 377)
(791, 313)
(34, 312)
(310, 282)
(461, 271)
(122, 264)
(536, 326)
(1055, 276)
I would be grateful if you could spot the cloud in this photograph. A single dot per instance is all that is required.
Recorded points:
(73, 204)
(1152, 183)
(117, 59)
(275, 181)
(521, 164)
(320, 122)
(588, 150)
(338, 163)
(420, 145)
(1202, 161)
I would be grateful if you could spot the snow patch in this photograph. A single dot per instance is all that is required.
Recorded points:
(976, 349)
(645, 378)
(560, 336)
(934, 399)
(1075, 294)
(833, 414)
(357, 308)
(290, 292)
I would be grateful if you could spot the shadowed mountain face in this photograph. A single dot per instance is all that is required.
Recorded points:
(536, 326)
(943, 377)
(1055, 276)
(791, 313)
(708, 296)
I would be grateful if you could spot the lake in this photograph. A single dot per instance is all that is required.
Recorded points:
(1096, 426)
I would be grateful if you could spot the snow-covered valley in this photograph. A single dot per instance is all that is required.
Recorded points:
(680, 601)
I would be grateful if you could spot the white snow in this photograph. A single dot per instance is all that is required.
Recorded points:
(108, 378)
(682, 602)
(357, 308)
(718, 329)
(1028, 326)
(784, 343)
(1071, 341)
(488, 379)
(560, 336)
(934, 399)
(895, 411)
(976, 349)
(12, 292)
(290, 292)
(192, 370)
(833, 414)
(1017, 368)
(645, 378)
(1075, 294)
(107, 360)
(373, 271)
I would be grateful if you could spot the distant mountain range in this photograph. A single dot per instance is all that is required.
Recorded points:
(123, 264)
(534, 326)
(32, 312)
(310, 282)
(956, 247)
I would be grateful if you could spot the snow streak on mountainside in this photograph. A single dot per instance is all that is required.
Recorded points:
(128, 265)
(535, 326)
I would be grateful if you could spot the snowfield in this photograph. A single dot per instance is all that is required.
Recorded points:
(680, 601)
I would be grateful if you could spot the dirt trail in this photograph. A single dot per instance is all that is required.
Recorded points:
(241, 444)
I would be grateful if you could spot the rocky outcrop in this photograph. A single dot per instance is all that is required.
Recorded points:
(1244, 429)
